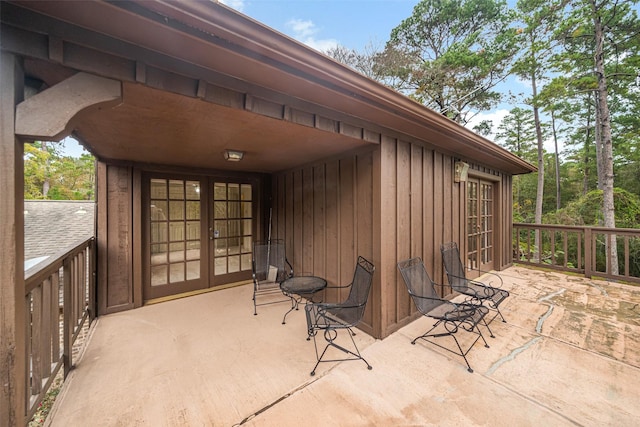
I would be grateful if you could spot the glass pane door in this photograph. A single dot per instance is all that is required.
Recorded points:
(232, 230)
(174, 241)
(486, 226)
(473, 227)
(480, 220)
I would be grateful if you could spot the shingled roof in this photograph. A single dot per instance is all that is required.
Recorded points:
(51, 226)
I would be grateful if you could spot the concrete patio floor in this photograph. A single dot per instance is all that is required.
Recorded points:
(569, 355)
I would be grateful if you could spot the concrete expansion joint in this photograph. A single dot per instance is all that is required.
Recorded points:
(278, 400)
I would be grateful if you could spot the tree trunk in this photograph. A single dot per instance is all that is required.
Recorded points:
(46, 184)
(540, 191)
(587, 168)
(598, 138)
(555, 142)
(604, 125)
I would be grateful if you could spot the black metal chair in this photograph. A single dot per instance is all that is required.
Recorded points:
(270, 268)
(493, 296)
(450, 317)
(332, 317)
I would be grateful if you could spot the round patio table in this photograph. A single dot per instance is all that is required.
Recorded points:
(298, 286)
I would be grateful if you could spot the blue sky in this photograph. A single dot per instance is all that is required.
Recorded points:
(325, 23)
(320, 24)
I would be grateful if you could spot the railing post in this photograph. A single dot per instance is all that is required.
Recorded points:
(589, 255)
(92, 279)
(67, 316)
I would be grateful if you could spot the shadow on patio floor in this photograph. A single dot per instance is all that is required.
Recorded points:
(569, 355)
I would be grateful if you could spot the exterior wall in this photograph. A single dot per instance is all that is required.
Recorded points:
(327, 213)
(115, 235)
(387, 202)
(422, 208)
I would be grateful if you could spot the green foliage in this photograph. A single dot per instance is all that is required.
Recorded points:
(587, 210)
(449, 54)
(49, 175)
(517, 134)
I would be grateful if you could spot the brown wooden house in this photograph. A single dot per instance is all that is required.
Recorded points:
(163, 92)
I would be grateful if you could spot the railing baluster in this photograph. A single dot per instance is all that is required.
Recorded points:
(36, 341)
(626, 256)
(565, 249)
(591, 247)
(67, 314)
(47, 329)
(55, 317)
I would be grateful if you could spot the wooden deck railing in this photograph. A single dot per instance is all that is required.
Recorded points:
(60, 301)
(579, 249)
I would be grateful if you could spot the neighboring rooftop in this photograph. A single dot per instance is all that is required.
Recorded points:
(53, 225)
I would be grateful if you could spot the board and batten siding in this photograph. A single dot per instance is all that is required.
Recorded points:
(115, 237)
(423, 207)
(395, 201)
(325, 214)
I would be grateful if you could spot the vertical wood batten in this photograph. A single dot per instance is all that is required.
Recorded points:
(308, 220)
(388, 271)
(364, 220)
(298, 222)
(348, 232)
(332, 232)
(417, 222)
(438, 216)
(429, 250)
(403, 223)
(319, 223)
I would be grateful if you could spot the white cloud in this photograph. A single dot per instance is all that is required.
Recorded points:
(495, 117)
(234, 4)
(304, 31)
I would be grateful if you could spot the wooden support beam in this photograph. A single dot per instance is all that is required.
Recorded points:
(12, 298)
(49, 114)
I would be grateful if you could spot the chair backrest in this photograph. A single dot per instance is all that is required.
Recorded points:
(419, 284)
(453, 266)
(266, 254)
(361, 284)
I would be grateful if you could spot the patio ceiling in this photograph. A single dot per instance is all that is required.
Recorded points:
(174, 59)
(152, 126)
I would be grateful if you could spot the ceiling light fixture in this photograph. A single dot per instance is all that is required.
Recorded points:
(233, 155)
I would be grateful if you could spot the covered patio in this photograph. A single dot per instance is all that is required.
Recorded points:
(569, 355)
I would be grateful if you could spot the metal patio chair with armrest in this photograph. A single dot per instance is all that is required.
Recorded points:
(493, 296)
(450, 317)
(329, 318)
(270, 269)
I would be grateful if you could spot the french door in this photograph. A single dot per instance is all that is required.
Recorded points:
(198, 233)
(231, 231)
(480, 224)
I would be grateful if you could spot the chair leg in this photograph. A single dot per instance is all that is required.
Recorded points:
(427, 335)
(330, 335)
(255, 307)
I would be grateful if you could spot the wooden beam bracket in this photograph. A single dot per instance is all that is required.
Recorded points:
(49, 115)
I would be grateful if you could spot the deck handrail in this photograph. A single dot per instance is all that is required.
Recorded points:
(56, 315)
(579, 249)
